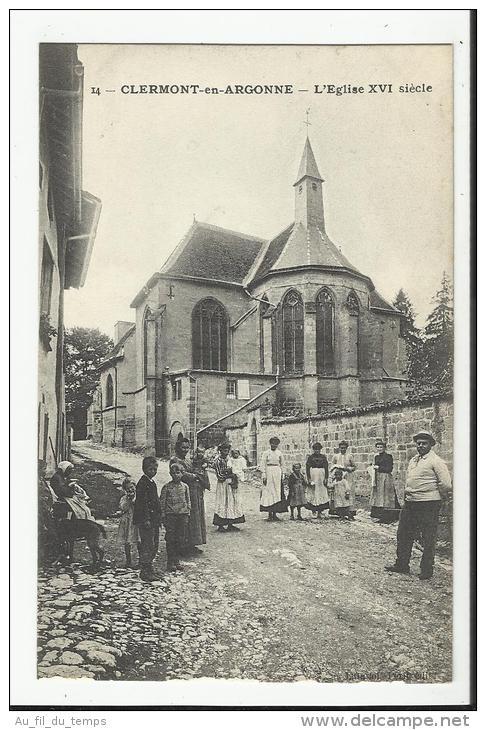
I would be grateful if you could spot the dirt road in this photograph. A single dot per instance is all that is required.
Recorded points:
(276, 601)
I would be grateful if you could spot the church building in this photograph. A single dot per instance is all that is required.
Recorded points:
(232, 321)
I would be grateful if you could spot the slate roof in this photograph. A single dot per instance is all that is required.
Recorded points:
(115, 352)
(214, 253)
(297, 246)
(308, 165)
(377, 301)
(211, 252)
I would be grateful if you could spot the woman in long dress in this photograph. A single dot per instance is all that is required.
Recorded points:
(383, 500)
(197, 518)
(317, 470)
(227, 504)
(272, 499)
(343, 460)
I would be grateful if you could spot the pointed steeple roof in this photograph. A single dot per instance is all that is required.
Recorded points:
(305, 242)
(308, 165)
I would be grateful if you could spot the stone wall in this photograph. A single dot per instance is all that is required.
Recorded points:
(396, 423)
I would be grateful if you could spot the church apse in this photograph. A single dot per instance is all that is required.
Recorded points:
(240, 314)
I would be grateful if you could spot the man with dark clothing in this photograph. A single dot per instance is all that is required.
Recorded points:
(428, 483)
(147, 517)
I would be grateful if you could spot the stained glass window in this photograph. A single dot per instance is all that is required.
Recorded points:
(209, 336)
(293, 332)
(325, 332)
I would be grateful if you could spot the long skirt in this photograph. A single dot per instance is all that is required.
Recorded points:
(227, 505)
(196, 531)
(272, 498)
(297, 496)
(383, 499)
(317, 496)
(79, 507)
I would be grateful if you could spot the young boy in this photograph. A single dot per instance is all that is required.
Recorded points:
(175, 507)
(146, 515)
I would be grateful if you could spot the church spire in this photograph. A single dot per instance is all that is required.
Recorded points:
(308, 165)
(309, 206)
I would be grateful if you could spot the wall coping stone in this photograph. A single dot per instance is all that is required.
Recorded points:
(359, 410)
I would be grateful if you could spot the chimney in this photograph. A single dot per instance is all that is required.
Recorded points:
(121, 328)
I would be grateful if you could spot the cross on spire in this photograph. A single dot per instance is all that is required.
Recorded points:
(307, 123)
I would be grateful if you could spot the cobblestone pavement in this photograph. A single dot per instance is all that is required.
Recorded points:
(274, 602)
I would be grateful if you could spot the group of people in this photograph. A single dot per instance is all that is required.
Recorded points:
(319, 487)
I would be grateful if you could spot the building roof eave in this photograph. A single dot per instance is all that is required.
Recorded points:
(80, 244)
(315, 267)
(145, 289)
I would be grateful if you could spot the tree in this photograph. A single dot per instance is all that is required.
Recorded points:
(412, 336)
(439, 338)
(84, 350)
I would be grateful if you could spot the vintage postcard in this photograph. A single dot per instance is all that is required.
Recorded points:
(245, 432)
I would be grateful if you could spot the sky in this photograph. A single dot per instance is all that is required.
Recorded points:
(158, 160)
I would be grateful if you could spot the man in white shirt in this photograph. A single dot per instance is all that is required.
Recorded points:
(428, 484)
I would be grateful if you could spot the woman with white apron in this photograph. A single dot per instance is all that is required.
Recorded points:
(317, 470)
(272, 498)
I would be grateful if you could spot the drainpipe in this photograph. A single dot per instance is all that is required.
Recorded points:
(194, 436)
(101, 412)
(116, 405)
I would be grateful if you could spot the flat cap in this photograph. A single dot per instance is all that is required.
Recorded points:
(425, 435)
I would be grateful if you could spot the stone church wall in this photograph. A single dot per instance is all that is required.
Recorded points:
(177, 323)
(361, 427)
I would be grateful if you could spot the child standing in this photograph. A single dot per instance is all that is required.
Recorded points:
(341, 493)
(146, 515)
(297, 485)
(175, 508)
(128, 532)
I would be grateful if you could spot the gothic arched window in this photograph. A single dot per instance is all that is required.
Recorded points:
(209, 336)
(325, 332)
(293, 332)
(109, 391)
(352, 303)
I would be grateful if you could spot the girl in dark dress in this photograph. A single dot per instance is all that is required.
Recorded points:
(297, 491)
(317, 471)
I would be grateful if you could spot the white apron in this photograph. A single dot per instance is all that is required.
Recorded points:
(317, 495)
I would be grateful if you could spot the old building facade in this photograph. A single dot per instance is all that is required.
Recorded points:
(231, 321)
(68, 217)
